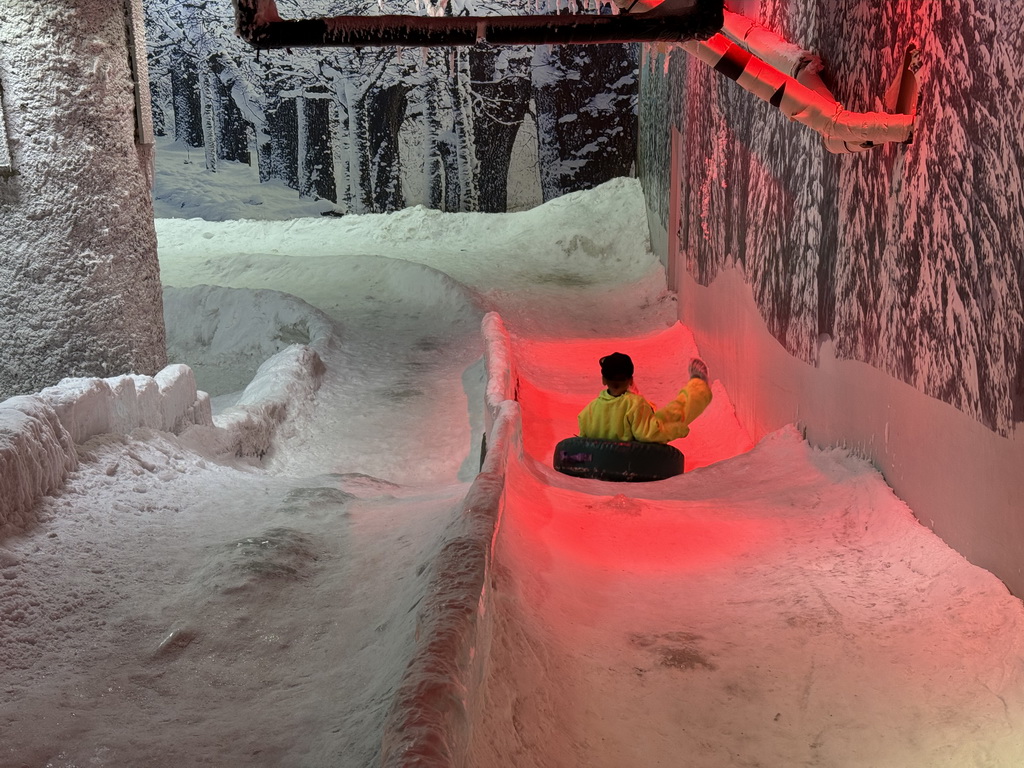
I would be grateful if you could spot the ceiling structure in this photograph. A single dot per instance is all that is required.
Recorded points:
(258, 22)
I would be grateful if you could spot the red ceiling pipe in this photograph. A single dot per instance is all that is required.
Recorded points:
(259, 24)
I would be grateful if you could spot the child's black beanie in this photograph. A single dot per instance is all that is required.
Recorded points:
(616, 367)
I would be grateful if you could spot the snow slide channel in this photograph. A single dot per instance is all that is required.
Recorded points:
(775, 605)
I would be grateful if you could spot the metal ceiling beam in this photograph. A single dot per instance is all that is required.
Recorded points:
(258, 23)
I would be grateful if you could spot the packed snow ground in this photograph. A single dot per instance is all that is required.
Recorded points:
(773, 606)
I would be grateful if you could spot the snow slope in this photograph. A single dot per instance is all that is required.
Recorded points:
(777, 607)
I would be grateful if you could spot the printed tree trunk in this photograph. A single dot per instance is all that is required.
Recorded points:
(502, 94)
(208, 118)
(387, 107)
(231, 126)
(586, 115)
(462, 131)
(316, 164)
(188, 128)
(282, 123)
(354, 79)
(433, 109)
(360, 194)
(163, 107)
(341, 147)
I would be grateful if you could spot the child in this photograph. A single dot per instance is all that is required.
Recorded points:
(623, 415)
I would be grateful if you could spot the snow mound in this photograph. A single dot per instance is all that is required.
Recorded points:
(596, 238)
(256, 563)
(600, 238)
(407, 294)
(287, 380)
(225, 334)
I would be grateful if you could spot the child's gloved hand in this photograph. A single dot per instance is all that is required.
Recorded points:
(698, 369)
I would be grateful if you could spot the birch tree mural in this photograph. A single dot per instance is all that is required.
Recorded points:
(335, 124)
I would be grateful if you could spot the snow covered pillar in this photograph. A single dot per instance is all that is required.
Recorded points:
(80, 287)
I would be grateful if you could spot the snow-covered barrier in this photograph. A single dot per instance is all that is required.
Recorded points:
(38, 433)
(168, 402)
(501, 378)
(36, 454)
(429, 722)
(225, 334)
(247, 428)
(428, 725)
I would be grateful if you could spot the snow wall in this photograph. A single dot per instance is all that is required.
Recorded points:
(431, 717)
(38, 433)
(81, 292)
(875, 299)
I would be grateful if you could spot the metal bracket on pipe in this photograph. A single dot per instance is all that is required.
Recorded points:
(259, 24)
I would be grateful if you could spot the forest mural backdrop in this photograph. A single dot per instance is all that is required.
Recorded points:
(909, 257)
(379, 129)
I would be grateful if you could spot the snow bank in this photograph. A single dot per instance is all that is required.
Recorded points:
(225, 334)
(498, 358)
(258, 349)
(291, 376)
(168, 402)
(36, 453)
(38, 433)
(429, 722)
(602, 240)
(428, 725)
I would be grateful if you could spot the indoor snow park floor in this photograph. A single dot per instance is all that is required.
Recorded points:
(774, 606)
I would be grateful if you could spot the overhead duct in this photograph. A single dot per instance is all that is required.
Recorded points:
(789, 58)
(787, 77)
(259, 23)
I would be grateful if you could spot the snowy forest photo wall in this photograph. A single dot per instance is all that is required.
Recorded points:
(907, 257)
(876, 298)
(377, 129)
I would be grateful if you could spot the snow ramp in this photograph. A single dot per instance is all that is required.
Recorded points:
(775, 605)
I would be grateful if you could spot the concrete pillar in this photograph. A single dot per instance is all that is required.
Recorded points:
(80, 290)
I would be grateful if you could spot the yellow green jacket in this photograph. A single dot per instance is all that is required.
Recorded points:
(631, 417)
